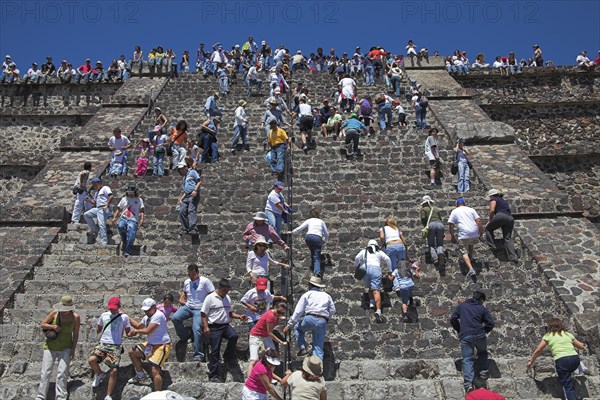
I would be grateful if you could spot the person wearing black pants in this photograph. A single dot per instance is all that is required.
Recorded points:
(500, 217)
(216, 315)
(353, 127)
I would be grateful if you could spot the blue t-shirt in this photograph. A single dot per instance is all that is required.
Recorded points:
(353, 123)
(190, 180)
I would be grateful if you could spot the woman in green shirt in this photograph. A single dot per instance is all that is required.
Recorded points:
(65, 322)
(562, 345)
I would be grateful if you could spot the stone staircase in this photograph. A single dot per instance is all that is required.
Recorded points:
(363, 360)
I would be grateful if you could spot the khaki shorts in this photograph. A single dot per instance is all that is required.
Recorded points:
(110, 354)
(155, 354)
(463, 244)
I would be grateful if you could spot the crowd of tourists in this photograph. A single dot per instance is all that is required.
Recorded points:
(207, 302)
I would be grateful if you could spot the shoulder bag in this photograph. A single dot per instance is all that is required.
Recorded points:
(361, 269)
(425, 230)
(51, 334)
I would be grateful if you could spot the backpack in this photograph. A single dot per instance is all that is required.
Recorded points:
(424, 102)
(380, 100)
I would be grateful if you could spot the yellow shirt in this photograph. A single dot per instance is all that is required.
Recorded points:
(277, 136)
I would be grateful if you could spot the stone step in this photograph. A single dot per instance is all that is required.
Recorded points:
(362, 379)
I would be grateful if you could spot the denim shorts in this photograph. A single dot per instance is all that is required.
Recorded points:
(372, 278)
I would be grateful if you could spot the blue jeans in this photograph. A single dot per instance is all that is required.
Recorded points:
(463, 176)
(85, 77)
(565, 366)
(240, 131)
(315, 244)
(385, 112)
(278, 162)
(275, 220)
(158, 161)
(253, 82)
(396, 253)
(396, 84)
(421, 116)
(101, 215)
(369, 75)
(127, 229)
(224, 85)
(211, 146)
(468, 344)
(188, 212)
(318, 328)
(435, 239)
(183, 313)
(218, 332)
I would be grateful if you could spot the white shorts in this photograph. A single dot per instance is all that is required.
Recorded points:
(248, 394)
(255, 345)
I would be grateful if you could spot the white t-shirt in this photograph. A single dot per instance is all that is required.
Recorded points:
(217, 309)
(119, 143)
(259, 266)
(400, 109)
(240, 117)
(581, 59)
(498, 64)
(429, 143)
(102, 195)
(390, 233)
(196, 291)
(252, 73)
(113, 334)
(374, 260)
(315, 226)
(465, 220)
(272, 201)
(347, 85)
(262, 301)
(304, 109)
(130, 207)
(160, 334)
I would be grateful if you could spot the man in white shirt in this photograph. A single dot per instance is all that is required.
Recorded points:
(347, 88)
(119, 142)
(216, 316)
(195, 289)
(431, 152)
(253, 80)
(110, 326)
(157, 347)
(317, 308)
(583, 61)
(276, 207)
(240, 128)
(470, 230)
(33, 74)
(306, 122)
(101, 202)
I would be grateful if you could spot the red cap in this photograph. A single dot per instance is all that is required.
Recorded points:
(261, 283)
(114, 303)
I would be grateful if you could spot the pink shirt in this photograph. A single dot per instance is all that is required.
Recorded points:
(166, 310)
(260, 329)
(253, 382)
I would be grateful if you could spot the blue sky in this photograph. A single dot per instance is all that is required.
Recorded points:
(74, 30)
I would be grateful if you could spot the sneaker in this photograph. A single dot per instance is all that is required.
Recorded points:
(371, 306)
(349, 149)
(215, 379)
(469, 389)
(108, 398)
(380, 319)
(471, 273)
(233, 152)
(137, 379)
(483, 374)
(303, 352)
(404, 317)
(98, 379)
(305, 149)
(441, 258)
(199, 358)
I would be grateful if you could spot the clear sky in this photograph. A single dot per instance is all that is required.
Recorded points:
(102, 30)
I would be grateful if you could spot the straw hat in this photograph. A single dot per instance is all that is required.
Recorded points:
(313, 365)
(66, 304)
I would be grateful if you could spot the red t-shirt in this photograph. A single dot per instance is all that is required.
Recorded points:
(484, 394)
(260, 329)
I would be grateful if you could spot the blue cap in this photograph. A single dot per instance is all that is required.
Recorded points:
(96, 180)
(278, 184)
(460, 200)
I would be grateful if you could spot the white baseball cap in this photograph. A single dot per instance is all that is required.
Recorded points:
(148, 304)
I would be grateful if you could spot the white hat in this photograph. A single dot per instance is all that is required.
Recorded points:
(299, 52)
(148, 304)
(492, 192)
(426, 199)
(313, 365)
(316, 281)
(7, 56)
(260, 216)
(273, 360)
(181, 165)
(263, 42)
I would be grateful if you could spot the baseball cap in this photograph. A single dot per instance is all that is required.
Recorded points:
(278, 184)
(460, 200)
(96, 180)
(148, 304)
(261, 283)
(114, 303)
